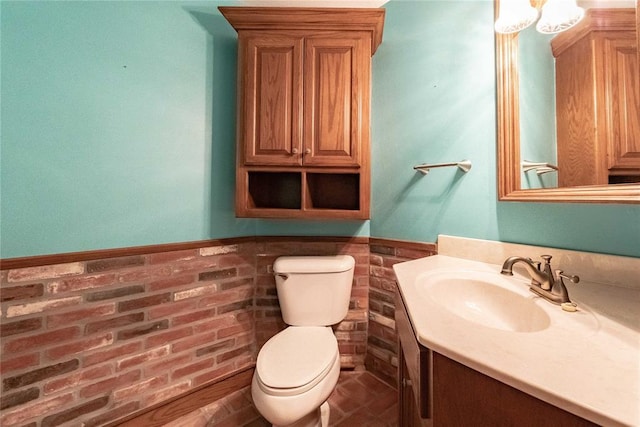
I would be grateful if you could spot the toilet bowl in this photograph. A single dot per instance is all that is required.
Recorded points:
(296, 371)
(298, 368)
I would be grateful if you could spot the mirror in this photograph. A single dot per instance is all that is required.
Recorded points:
(510, 175)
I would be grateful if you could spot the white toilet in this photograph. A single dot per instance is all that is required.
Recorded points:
(298, 368)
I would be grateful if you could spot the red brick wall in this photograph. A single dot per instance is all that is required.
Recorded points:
(382, 347)
(97, 340)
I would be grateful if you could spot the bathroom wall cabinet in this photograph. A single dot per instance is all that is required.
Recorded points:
(596, 65)
(304, 83)
(434, 390)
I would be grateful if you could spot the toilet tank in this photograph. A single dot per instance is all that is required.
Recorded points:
(314, 290)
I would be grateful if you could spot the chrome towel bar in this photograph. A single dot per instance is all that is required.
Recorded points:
(464, 165)
(539, 167)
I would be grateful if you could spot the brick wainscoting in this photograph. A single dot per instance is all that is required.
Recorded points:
(382, 347)
(99, 338)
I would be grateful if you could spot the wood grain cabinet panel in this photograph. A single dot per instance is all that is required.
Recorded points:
(624, 145)
(269, 128)
(337, 71)
(304, 83)
(436, 391)
(597, 100)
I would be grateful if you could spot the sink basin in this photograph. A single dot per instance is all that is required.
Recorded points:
(485, 299)
(584, 361)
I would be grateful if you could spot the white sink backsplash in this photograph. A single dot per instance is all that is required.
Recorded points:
(605, 269)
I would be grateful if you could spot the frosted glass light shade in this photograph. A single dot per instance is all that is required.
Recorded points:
(514, 16)
(559, 15)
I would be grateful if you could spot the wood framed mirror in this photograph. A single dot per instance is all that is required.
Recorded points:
(509, 138)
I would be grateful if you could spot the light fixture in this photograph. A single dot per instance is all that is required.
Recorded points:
(556, 16)
(515, 15)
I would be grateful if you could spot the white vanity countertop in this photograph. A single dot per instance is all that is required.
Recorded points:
(587, 362)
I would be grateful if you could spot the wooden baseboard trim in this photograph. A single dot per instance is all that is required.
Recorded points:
(185, 404)
(337, 239)
(62, 258)
(404, 244)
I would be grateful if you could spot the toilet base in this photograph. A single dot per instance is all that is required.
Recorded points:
(317, 418)
(288, 410)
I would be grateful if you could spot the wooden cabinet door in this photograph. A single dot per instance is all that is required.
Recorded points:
(304, 82)
(465, 397)
(270, 119)
(598, 100)
(337, 84)
(581, 158)
(620, 80)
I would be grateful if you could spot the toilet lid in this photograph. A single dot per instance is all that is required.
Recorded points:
(296, 356)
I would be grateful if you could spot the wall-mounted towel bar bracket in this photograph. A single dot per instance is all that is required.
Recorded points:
(464, 165)
(539, 167)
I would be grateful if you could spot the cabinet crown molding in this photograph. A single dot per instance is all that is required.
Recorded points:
(595, 20)
(301, 18)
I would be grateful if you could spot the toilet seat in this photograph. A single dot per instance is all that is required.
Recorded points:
(296, 360)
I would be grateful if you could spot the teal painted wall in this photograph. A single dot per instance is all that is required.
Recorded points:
(118, 127)
(434, 101)
(118, 123)
(110, 127)
(536, 69)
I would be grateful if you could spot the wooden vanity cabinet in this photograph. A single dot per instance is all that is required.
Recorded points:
(304, 83)
(598, 100)
(436, 391)
(414, 374)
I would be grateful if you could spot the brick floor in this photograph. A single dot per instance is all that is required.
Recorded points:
(359, 399)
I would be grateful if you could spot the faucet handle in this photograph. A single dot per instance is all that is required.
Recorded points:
(538, 266)
(573, 279)
(546, 269)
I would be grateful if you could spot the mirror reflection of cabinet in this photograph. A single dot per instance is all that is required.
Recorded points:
(509, 158)
(596, 64)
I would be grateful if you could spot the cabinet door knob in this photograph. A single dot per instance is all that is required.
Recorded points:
(307, 151)
(294, 150)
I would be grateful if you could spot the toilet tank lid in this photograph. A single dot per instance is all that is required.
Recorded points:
(313, 264)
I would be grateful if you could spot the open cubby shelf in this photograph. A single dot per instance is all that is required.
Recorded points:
(333, 191)
(275, 190)
(304, 194)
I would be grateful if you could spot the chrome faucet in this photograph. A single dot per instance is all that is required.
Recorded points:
(544, 282)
